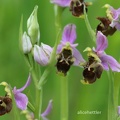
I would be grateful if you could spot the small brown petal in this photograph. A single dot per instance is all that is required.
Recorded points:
(104, 26)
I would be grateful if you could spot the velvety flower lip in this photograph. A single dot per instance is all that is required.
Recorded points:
(106, 60)
(20, 98)
(62, 3)
(47, 111)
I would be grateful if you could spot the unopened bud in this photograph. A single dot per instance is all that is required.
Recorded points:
(42, 54)
(33, 27)
(26, 43)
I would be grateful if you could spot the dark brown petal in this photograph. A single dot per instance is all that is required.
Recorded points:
(104, 26)
(64, 61)
(77, 8)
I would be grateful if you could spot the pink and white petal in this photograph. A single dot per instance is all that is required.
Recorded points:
(43, 58)
(48, 109)
(26, 85)
(69, 33)
(40, 56)
(113, 23)
(62, 3)
(109, 62)
(102, 42)
(21, 101)
(78, 57)
(114, 12)
(46, 48)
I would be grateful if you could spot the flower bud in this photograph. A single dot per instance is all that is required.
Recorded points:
(42, 54)
(33, 27)
(26, 43)
(7, 88)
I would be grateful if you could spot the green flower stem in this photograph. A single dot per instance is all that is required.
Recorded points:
(16, 113)
(64, 98)
(38, 104)
(58, 13)
(90, 30)
(64, 82)
(31, 107)
(50, 66)
(111, 108)
(38, 92)
(58, 17)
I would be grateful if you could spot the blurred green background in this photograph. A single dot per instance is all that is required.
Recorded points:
(14, 70)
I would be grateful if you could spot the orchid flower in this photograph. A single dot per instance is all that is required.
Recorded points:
(20, 98)
(98, 53)
(76, 6)
(98, 60)
(66, 51)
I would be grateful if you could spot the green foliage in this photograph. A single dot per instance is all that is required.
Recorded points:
(14, 70)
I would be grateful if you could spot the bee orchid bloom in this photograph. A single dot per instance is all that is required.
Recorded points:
(20, 98)
(98, 60)
(106, 60)
(67, 54)
(76, 6)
